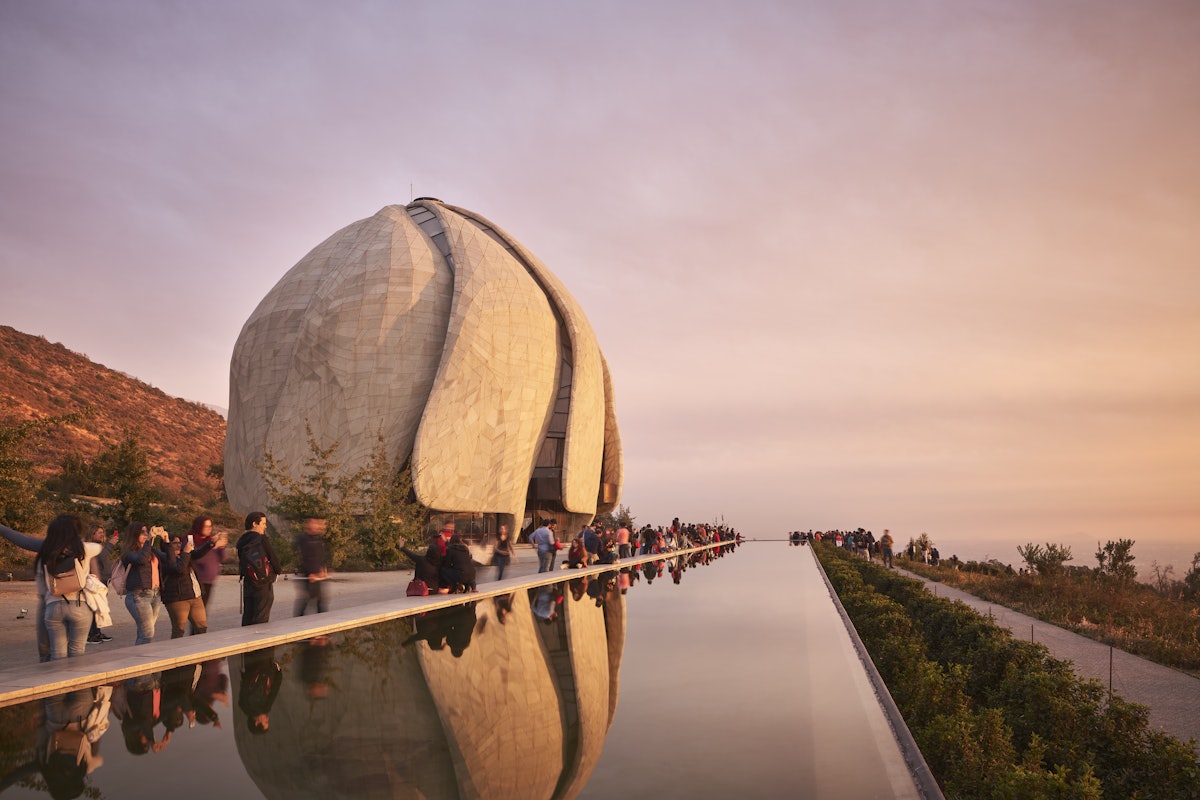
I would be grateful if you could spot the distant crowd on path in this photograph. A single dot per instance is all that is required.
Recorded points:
(78, 567)
(596, 544)
(862, 542)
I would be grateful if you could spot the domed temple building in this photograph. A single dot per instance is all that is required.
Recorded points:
(432, 328)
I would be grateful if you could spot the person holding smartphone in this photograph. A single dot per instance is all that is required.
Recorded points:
(180, 587)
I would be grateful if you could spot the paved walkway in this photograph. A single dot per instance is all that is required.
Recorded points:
(1173, 697)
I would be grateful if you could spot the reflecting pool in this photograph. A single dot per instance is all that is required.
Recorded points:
(727, 677)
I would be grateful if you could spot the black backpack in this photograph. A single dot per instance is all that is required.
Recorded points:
(253, 563)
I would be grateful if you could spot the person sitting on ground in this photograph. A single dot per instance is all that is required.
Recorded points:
(592, 536)
(426, 567)
(458, 571)
(577, 555)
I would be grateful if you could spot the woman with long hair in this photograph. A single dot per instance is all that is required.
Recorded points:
(142, 598)
(68, 617)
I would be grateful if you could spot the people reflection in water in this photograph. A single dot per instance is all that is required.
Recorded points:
(446, 627)
(314, 667)
(68, 742)
(137, 703)
(545, 602)
(212, 687)
(177, 704)
(504, 606)
(599, 588)
(261, 679)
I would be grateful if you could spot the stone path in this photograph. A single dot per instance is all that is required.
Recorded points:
(1172, 696)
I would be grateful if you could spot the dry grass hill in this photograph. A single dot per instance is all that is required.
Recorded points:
(39, 379)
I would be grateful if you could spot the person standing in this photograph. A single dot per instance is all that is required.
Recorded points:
(67, 615)
(503, 554)
(142, 599)
(180, 589)
(102, 569)
(33, 544)
(257, 565)
(546, 543)
(623, 550)
(313, 566)
(208, 565)
(885, 545)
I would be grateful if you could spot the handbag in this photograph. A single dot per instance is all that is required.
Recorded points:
(417, 588)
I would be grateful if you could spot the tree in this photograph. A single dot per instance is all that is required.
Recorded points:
(22, 505)
(1191, 581)
(1116, 560)
(389, 511)
(316, 493)
(122, 472)
(1163, 583)
(367, 511)
(622, 517)
(1047, 561)
(217, 473)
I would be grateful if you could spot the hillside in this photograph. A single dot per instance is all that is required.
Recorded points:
(39, 379)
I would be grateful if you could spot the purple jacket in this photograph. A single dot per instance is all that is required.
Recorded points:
(208, 566)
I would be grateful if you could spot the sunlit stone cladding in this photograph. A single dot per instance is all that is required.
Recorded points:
(430, 327)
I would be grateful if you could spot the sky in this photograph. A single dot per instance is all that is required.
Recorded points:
(929, 266)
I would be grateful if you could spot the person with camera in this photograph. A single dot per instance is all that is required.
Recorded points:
(143, 600)
(180, 589)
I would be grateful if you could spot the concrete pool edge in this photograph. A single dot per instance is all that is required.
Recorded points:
(913, 757)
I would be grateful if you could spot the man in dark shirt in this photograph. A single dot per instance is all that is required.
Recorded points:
(258, 565)
(313, 568)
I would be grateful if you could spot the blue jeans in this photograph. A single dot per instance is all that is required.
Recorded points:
(546, 560)
(143, 605)
(67, 624)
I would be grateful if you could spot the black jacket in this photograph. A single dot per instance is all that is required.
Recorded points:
(176, 565)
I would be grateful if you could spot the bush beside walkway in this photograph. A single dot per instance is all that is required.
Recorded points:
(996, 717)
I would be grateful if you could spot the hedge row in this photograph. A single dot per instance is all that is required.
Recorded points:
(995, 717)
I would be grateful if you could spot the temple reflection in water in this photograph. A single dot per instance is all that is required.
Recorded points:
(506, 697)
(739, 678)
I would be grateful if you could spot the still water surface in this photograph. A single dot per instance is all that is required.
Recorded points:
(737, 681)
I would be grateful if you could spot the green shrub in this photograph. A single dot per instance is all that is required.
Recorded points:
(999, 718)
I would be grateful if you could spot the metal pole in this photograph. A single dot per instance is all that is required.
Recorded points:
(1110, 671)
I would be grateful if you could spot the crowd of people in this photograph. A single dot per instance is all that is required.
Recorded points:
(862, 542)
(78, 568)
(597, 544)
(152, 711)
